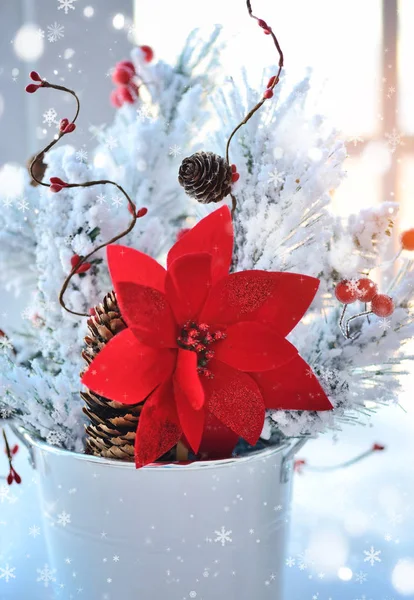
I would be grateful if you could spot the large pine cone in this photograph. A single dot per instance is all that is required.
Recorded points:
(112, 427)
(111, 431)
(206, 177)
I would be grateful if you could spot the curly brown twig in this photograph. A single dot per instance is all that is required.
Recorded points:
(273, 82)
(62, 132)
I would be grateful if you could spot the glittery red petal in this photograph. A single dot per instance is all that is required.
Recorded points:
(187, 285)
(252, 346)
(218, 441)
(187, 377)
(214, 235)
(235, 399)
(191, 420)
(147, 312)
(292, 387)
(158, 428)
(127, 264)
(280, 299)
(126, 370)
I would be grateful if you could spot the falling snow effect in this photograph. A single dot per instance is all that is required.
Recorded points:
(7, 573)
(50, 117)
(55, 32)
(64, 518)
(46, 575)
(223, 536)
(66, 5)
(372, 556)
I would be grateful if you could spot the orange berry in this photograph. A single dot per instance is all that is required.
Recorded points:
(407, 239)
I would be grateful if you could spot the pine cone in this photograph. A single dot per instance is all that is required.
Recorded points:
(112, 428)
(206, 177)
(39, 169)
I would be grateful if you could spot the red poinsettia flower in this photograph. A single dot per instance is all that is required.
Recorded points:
(205, 349)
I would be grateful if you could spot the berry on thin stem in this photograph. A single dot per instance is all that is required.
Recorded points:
(346, 292)
(148, 53)
(268, 94)
(367, 289)
(382, 305)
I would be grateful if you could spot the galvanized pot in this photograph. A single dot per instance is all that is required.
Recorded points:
(203, 531)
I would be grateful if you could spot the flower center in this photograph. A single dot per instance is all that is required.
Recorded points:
(198, 338)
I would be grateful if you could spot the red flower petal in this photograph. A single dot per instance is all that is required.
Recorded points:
(235, 399)
(187, 378)
(158, 427)
(218, 441)
(148, 314)
(191, 420)
(277, 298)
(214, 235)
(292, 387)
(187, 285)
(252, 346)
(127, 371)
(127, 264)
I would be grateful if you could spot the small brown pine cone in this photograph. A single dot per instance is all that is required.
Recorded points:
(206, 177)
(39, 168)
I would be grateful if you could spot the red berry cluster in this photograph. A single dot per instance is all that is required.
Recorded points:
(75, 260)
(266, 28)
(13, 475)
(364, 289)
(235, 176)
(32, 87)
(125, 78)
(271, 84)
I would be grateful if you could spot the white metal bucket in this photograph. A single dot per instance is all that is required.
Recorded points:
(205, 531)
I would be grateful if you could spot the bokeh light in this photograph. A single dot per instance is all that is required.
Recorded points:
(28, 44)
(403, 576)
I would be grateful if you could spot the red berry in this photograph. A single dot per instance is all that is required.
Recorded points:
(148, 53)
(235, 177)
(407, 239)
(268, 94)
(126, 94)
(233, 169)
(131, 209)
(69, 128)
(63, 124)
(17, 477)
(55, 188)
(34, 75)
(382, 305)
(115, 99)
(378, 448)
(346, 291)
(128, 64)
(367, 289)
(10, 478)
(122, 75)
(142, 212)
(271, 81)
(58, 180)
(267, 31)
(15, 449)
(32, 88)
(262, 23)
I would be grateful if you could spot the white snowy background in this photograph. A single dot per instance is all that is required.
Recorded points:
(352, 530)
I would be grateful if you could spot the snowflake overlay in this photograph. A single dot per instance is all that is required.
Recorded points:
(46, 575)
(65, 5)
(49, 117)
(55, 32)
(223, 536)
(63, 518)
(7, 573)
(372, 556)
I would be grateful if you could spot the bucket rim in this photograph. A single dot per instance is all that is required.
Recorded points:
(31, 442)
